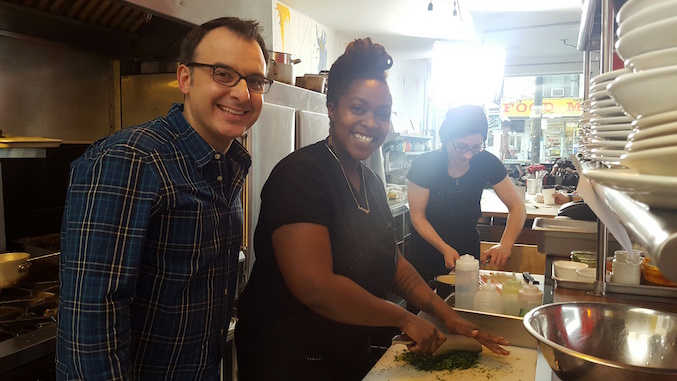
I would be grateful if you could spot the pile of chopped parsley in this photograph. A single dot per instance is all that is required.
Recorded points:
(449, 360)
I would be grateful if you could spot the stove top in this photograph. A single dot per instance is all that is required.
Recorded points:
(27, 322)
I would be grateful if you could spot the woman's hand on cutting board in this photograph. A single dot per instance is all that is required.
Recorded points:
(466, 328)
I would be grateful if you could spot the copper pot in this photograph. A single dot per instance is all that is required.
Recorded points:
(14, 267)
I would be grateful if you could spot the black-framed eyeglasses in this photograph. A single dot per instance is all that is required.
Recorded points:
(228, 76)
(463, 148)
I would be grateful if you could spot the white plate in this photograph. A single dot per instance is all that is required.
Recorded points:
(617, 135)
(655, 36)
(603, 103)
(608, 76)
(647, 16)
(657, 142)
(634, 6)
(657, 191)
(611, 120)
(613, 162)
(652, 60)
(654, 120)
(607, 111)
(655, 161)
(600, 95)
(607, 153)
(654, 131)
(598, 86)
(606, 143)
(611, 127)
(647, 92)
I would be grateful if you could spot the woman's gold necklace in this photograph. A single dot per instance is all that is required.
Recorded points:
(352, 192)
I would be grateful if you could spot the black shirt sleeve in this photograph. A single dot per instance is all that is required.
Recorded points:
(424, 171)
(494, 169)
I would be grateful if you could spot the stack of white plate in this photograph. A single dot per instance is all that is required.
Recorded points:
(606, 126)
(647, 31)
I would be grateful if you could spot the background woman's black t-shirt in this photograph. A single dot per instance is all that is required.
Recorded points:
(453, 206)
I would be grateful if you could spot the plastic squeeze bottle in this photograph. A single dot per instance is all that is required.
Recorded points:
(467, 281)
(511, 289)
(488, 299)
(529, 297)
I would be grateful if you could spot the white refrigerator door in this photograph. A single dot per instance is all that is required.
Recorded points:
(311, 127)
(269, 140)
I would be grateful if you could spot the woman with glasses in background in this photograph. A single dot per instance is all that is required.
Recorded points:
(445, 188)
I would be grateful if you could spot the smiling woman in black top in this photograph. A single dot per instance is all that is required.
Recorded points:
(326, 251)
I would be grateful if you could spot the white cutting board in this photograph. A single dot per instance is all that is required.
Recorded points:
(520, 365)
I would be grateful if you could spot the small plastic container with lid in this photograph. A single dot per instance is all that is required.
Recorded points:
(467, 281)
(511, 289)
(529, 297)
(488, 299)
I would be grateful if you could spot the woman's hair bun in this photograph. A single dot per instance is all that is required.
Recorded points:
(362, 59)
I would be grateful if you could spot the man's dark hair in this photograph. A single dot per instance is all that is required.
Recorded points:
(247, 29)
(362, 59)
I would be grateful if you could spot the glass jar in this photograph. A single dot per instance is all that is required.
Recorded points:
(587, 257)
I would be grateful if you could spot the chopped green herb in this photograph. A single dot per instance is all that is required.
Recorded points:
(449, 360)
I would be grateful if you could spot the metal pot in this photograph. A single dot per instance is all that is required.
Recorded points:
(281, 67)
(444, 284)
(14, 267)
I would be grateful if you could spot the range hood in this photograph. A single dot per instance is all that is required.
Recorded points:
(116, 29)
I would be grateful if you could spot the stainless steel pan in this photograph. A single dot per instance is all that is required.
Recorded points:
(14, 267)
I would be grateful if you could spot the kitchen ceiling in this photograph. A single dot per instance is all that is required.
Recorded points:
(537, 40)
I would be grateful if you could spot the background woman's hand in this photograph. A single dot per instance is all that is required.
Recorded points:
(497, 256)
(450, 256)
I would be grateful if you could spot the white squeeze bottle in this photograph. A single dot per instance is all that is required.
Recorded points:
(530, 296)
(488, 299)
(467, 281)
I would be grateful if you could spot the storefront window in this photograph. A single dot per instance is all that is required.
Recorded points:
(537, 119)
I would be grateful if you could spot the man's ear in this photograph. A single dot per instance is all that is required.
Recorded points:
(330, 111)
(184, 77)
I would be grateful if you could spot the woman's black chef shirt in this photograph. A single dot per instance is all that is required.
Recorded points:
(309, 186)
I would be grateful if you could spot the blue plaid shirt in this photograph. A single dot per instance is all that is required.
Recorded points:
(150, 239)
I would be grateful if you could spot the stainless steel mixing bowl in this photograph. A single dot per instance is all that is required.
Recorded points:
(604, 341)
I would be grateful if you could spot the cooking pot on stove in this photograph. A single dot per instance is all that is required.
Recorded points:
(14, 267)
(281, 67)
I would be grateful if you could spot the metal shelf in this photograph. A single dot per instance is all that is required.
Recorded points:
(413, 136)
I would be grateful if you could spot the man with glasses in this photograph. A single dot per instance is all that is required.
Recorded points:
(445, 188)
(153, 223)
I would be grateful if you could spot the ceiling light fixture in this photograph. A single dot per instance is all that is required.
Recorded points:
(455, 11)
(430, 6)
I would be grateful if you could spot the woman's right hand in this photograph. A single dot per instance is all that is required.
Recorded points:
(427, 338)
(450, 256)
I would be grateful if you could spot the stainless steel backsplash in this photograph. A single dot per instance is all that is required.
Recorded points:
(52, 90)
